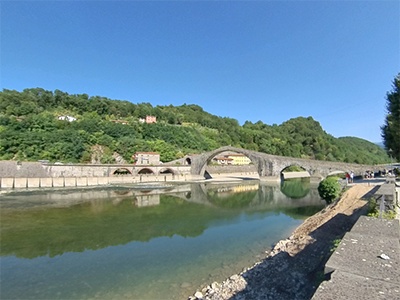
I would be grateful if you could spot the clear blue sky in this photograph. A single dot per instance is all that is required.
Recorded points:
(248, 60)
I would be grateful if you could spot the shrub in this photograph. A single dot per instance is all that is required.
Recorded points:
(329, 189)
(335, 244)
(374, 212)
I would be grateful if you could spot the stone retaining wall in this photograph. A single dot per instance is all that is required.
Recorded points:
(48, 182)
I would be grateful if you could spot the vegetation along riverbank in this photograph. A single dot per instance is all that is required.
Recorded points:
(293, 269)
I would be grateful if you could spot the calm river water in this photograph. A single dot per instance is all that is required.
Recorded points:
(126, 242)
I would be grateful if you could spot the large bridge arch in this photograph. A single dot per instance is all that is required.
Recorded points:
(200, 162)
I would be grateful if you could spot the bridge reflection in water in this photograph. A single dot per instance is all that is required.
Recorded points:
(48, 227)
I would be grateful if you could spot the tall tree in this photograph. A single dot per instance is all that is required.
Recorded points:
(391, 128)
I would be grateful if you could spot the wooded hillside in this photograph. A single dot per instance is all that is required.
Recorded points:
(30, 131)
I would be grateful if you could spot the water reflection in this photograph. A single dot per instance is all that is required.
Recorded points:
(296, 187)
(54, 225)
(196, 231)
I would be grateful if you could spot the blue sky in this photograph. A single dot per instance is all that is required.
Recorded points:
(247, 60)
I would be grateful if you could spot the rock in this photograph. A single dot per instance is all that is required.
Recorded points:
(215, 285)
(199, 295)
(384, 256)
(234, 277)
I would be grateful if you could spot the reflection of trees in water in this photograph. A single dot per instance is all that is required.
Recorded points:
(296, 188)
(100, 223)
(236, 200)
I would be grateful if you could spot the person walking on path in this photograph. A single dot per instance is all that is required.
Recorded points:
(351, 176)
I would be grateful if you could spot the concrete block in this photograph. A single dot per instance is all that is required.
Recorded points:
(149, 178)
(58, 182)
(34, 182)
(115, 180)
(128, 179)
(46, 182)
(360, 255)
(103, 180)
(375, 227)
(20, 182)
(92, 181)
(70, 181)
(81, 181)
(345, 286)
(7, 183)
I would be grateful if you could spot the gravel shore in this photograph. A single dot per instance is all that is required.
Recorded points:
(294, 267)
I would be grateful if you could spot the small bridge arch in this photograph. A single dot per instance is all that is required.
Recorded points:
(145, 171)
(295, 164)
(166, 170)
(336, 172)
(121, 172)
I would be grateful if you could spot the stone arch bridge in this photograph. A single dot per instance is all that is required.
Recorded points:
(270, 167)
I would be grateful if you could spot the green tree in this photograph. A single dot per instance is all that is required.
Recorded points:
(329, 189)
(391, 128)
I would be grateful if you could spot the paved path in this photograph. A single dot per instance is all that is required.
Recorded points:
(366, 264)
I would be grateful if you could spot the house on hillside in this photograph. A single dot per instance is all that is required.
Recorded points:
(146, 158)
(239, 159)
(223, 160)
(148, 120)
(66, 118)
(151, 119)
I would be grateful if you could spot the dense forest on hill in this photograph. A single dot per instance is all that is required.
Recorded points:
(30, 130)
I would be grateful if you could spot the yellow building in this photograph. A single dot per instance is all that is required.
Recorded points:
(239, 159)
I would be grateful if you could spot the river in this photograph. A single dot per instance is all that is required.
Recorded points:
(142, 242)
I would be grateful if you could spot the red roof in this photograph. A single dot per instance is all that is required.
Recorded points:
(223, 158)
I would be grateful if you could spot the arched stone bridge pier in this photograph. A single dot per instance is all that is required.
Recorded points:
(270, 167)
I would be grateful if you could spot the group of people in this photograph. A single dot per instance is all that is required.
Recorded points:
(369, 174)
(350, 177)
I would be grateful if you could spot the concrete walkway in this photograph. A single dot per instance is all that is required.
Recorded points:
(366, 264)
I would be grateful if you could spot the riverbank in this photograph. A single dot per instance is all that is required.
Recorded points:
(293, 269)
